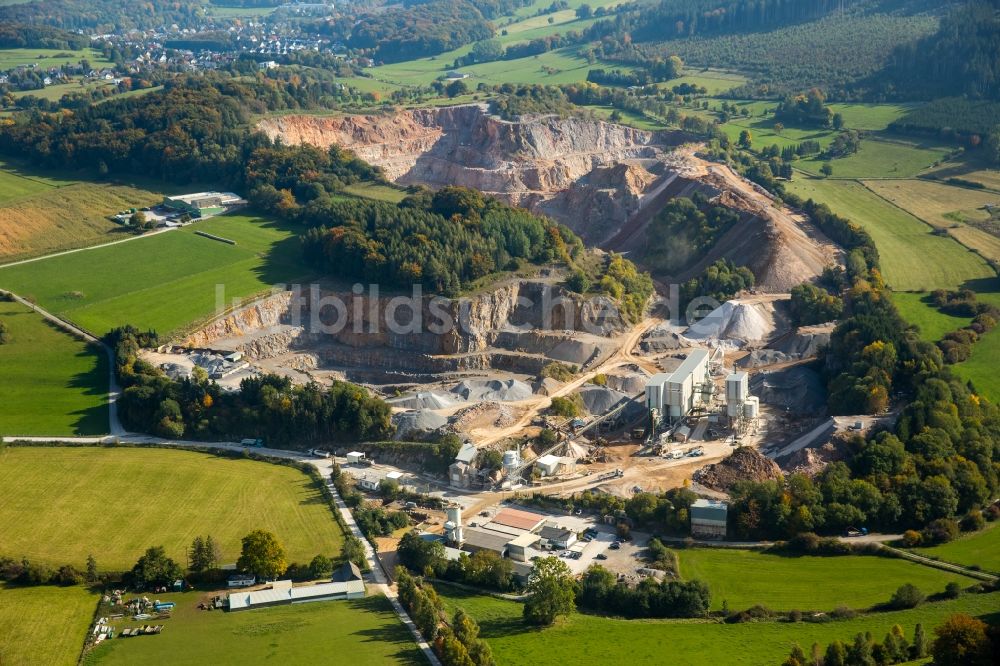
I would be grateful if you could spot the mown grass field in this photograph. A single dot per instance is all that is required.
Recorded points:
(46, 58)
(912, 257)
(629, 118)
(375, 191)
(61, 504)
(552, 68)
(891, 158)
(50, 382)
(44, 625)
(362, 632)
(51, 219)
(743, 578)
(592, 640)
(715, 81)
(166, 281)
(981, 549)
(933, 324)
(957, 209)
(981, 368)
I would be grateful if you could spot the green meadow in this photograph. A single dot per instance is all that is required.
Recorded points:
(64, 503)
(592, 640)
(743, 578)
(50, 382)
(362, 632)
(912, 257)
(980, 549)
(165, 281)
(44, 624)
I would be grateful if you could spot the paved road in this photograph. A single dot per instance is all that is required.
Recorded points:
(324, 466)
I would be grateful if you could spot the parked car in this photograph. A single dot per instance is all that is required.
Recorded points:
(616, 545)
(600, 556)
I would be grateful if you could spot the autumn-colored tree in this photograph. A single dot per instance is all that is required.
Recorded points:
(961, 641)
(262, 555)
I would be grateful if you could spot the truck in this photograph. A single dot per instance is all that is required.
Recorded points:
(255, 443)
(638, 433)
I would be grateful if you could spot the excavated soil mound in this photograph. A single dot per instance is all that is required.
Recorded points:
(474, 390)
(483, 415)
(745, 464)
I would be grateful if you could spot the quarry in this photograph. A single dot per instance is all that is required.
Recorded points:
(605, 181)
(564, 389)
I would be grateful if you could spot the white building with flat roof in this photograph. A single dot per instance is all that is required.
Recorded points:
(677, 393)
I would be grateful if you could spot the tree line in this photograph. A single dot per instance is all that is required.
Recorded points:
(456, 643)
(266, 406)
(104, 16)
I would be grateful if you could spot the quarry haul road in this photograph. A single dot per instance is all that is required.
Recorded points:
(621, 357)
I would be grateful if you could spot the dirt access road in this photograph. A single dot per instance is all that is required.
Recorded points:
(622, 356)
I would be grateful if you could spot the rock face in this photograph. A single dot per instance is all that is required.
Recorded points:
(605, 181)
(518, 326)
(587, 173)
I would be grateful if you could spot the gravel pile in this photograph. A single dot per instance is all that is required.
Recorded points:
(734, 321)
(417, 424)
(600, 400)
(423, 400)
(474, 390)
(799, 389)
(661, 338)
(745, 464)
(630, 384)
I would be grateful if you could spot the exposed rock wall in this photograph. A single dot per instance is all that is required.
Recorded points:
(605, 181)
(587, 173)
(519, 326)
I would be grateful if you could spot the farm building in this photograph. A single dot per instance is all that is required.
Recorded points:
(241, 580)
(347, 583)
(708, 519)
(203, 204)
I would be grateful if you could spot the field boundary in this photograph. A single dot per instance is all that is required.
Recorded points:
(939, 564)
(989, 262)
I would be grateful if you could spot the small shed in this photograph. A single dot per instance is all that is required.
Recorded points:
(370, 483)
